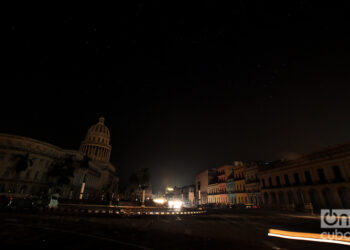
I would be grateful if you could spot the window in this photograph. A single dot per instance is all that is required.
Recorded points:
(278, 181)
(6, 173)
(296, 178)
(321, 175)
(270, 182)
(286, 180)
(263, 183)
(308, 177)
(337, 173)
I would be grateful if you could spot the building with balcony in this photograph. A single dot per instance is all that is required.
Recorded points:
(230, 189)
(239, 181)
(321, 179)
(217, 193)
(252, 183)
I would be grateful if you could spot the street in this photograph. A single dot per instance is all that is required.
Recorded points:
(219, 229)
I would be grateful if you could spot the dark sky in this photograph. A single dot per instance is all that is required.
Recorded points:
(183, 88)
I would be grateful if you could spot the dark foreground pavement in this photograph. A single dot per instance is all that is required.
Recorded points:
(219, 229)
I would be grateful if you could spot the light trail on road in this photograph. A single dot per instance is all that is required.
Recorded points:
(306, 237)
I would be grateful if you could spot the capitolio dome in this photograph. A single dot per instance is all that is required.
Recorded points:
(97, 142)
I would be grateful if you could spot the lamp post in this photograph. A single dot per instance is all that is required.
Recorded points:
(143, 196)
(82, 188)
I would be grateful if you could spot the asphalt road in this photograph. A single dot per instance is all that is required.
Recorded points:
(219, 229)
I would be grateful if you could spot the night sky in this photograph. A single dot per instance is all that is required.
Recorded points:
(183, 88)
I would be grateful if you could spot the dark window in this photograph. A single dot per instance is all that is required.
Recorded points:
(308, 177)
(321, 175)
(199, 185)
(278, 181)
(6, 173)
(296, 178)
(337, 173)
(270, 182)
(286, 179)
(263, 183)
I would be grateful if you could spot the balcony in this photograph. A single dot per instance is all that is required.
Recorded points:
(251, 181)
(271, 187)
(240, 191)
(216, 193)
(296, 184)
(252, 191)
(238, 178)
(336, 180)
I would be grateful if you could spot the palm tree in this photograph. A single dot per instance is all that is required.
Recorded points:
(141, 178)
(22, 163)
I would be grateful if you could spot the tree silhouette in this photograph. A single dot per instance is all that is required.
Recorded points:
(62, 170)
(85, 162)
(22, 162)
(140, 178)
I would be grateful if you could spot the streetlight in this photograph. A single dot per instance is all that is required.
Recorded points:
(82, 188)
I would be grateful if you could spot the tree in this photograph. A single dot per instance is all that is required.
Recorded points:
(22, 163)
(62, 170)
(140, 179)
(85, 162)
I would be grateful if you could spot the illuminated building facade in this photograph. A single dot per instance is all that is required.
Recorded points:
(100, 175)
(230, 189)
(321, 179)
(252, 182)
(217, 193)
(239, 179)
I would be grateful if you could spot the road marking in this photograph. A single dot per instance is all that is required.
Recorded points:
(178, 218)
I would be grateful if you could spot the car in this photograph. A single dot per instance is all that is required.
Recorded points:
(251, 206)
(239, 205)
(5, 200)
(53, 202)
(23, 203)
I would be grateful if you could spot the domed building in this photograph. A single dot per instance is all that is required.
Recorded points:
(100, 177)
(97, 142)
